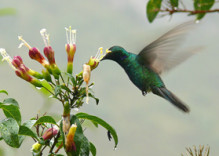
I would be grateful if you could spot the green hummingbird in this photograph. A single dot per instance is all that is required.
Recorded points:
(144, 69)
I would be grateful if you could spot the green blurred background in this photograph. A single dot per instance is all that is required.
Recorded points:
(145, 125)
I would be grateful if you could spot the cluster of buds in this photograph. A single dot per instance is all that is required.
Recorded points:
(51, 68)
(21, 70)
(26, 73)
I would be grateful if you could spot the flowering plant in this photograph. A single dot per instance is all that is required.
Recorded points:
(68, 133)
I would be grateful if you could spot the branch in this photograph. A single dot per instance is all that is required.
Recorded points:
(192, 12)
(55, 141)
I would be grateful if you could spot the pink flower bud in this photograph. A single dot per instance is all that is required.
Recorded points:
(51, 132)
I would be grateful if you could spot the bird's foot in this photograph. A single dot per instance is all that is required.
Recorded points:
(144, 93)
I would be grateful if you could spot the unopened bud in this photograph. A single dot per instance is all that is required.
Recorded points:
(51, 132)
(69, 140)
(49, 53)
(36, 147)
(86, 77)
(17, 61)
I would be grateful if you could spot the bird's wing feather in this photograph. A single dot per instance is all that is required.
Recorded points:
(162, 55)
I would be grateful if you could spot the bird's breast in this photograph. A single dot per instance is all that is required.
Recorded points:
(137, 74)
(144, 78)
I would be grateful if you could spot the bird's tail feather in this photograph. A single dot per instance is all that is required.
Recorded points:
(168, 95)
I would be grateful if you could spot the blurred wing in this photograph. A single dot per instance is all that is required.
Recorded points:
(161, 55)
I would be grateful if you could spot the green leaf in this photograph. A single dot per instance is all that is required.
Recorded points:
(85, 147)
(11, 101)
(96, 99)
(71, 77)
(57, 90)
(29, 123)
(78, 138)
(11, 111)
(62, 135)
(4, 91)
(9, 129)
(174, 3)
(100, 122)
(7, 11)
(27, 132)
(45, 85)
(95, 124)
(202, 5)
(45, 119)
(93, 149)
(153, 7)
(66, 88)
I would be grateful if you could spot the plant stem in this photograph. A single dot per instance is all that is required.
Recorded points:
(55, 141)
(60, 146)
(41, 152)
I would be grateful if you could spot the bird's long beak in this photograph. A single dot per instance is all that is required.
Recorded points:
(107, 52)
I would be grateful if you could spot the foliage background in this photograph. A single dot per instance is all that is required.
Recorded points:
(145, 125)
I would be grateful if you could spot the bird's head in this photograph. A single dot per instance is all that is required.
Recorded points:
(116, 53)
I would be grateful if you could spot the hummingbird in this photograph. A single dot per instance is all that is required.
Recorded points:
(144, 68)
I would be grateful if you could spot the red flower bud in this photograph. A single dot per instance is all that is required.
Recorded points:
(17, 61)
(49, 53)
(35, 54)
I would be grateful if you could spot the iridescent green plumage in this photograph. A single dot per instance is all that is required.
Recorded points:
(144, 69)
